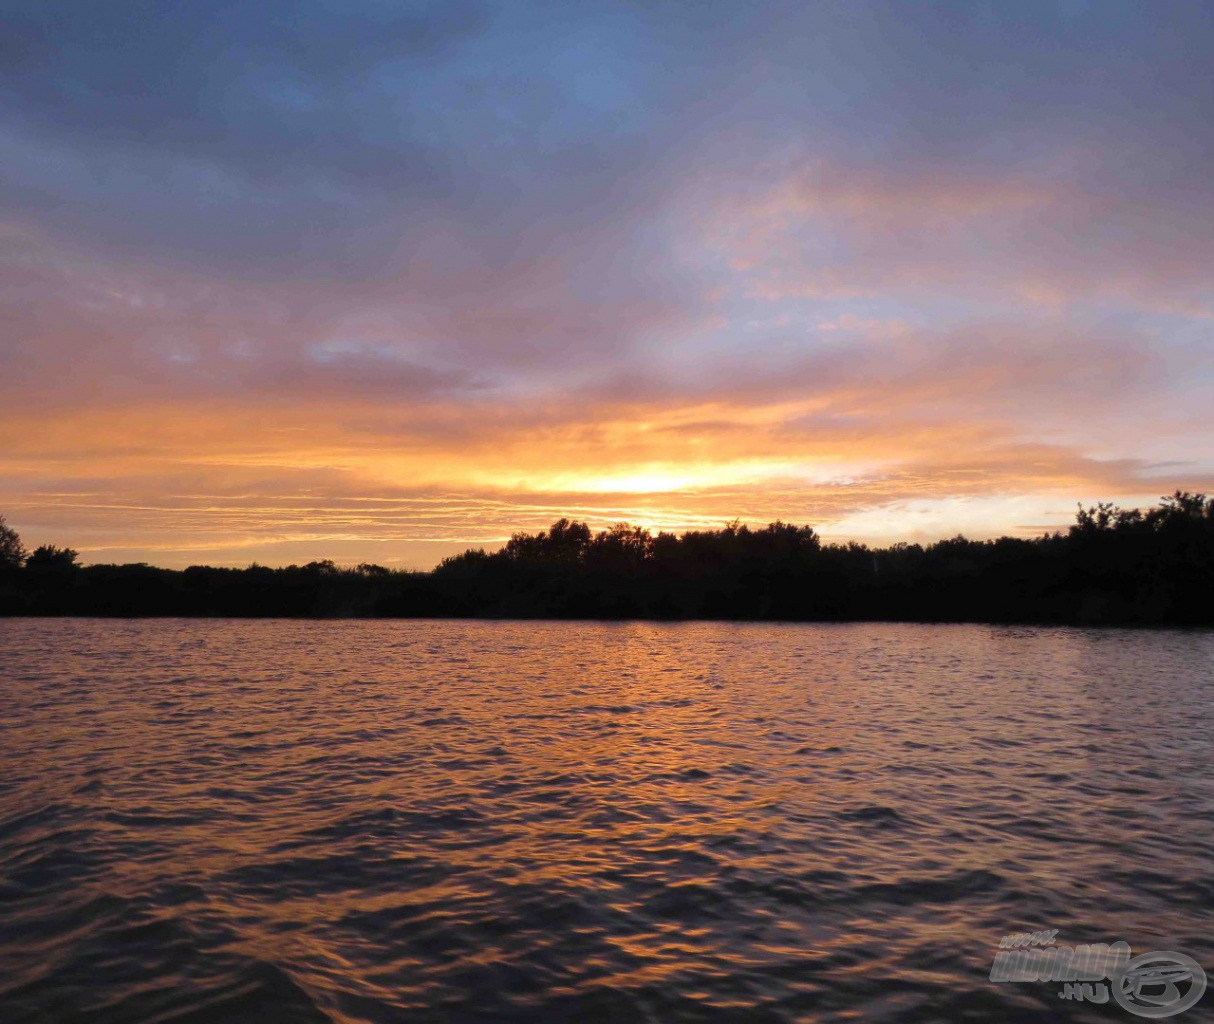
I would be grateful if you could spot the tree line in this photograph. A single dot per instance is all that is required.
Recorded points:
(1113, 565)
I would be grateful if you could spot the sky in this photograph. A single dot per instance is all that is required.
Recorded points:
(380, 281)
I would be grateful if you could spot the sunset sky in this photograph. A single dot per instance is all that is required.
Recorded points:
(381, 281)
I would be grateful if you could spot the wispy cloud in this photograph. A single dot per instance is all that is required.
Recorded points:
(379, 282)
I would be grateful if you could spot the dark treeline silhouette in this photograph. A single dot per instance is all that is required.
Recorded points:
(1112, 566)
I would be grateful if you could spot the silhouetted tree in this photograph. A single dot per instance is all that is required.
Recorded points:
(49, 558)
(564, 542)
(622, 547)
(12, 551)
(1113, 565)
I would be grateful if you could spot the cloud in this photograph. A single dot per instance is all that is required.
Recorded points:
(875, 421)
(387, 277)
(836, 230)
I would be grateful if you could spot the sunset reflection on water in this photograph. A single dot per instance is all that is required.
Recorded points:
(389, 821)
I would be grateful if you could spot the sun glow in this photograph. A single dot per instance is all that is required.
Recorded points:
(671, 479)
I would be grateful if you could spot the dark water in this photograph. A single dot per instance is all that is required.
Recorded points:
(413, 821)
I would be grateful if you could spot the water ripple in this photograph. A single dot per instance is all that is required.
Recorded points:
(393, 822)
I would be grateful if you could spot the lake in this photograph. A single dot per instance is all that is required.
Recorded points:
(355, 821)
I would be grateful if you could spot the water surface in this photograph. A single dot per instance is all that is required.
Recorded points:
(274, 821)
